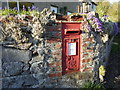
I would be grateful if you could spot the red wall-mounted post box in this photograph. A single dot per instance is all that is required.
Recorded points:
(71, 47)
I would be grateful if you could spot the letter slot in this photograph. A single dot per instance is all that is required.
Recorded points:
(72, 31)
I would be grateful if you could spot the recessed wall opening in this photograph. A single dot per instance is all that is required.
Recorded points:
(72, 32)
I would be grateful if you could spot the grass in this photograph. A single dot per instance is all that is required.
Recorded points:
(115, 48)
(91, 86)
(116, 44)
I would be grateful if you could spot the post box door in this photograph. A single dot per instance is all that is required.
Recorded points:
(71, 47)
(71, 56)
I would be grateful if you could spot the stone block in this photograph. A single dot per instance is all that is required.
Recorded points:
(40, 77)
(51, 60)
(36, 59)
(2, 35)
(26, 67)
(13, 68)
(23, 81)
(0, 51)
(0, 83)
(37, 67)
(0, 61)
(13, 55)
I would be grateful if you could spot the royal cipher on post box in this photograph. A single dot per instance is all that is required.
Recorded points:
(71, 47)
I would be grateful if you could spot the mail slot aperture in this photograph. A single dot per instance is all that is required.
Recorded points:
(72, 31)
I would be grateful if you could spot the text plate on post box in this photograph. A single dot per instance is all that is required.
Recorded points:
(71, 48)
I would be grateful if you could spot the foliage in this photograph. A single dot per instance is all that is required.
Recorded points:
(116, 44)
(101, 25)
(102, 7)
(27, 11)
(94, 22)
(113, 12)
(91, 86)
(115, 48)
(7, 11)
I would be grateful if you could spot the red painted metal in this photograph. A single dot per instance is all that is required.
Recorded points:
(70, 47)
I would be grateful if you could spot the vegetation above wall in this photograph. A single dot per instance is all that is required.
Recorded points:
(104, 7)
(27, 11)
(103, 26)
(99, 24)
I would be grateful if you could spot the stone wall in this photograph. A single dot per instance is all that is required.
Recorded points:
(54, 45)
(16, 68)
(95, 53)
(31, 53)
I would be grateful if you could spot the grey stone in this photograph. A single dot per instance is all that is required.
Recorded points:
(49, 86)
(0, 51)
(8, 43)
(37, 67)
(80, 82)
(29, 29)
(0, 83)
(29, 80)
(40, 51)
(33, 41)
(13, 55)
(36, 59)
(33, 48)
(41, 81)
(26, 29)
(26, 72)
(13, 68)
(41, 77)
(35, 86)
(11, 82)
(51, 60)
(0, 61)
(19, 81)
(26, 67)
(2, 35)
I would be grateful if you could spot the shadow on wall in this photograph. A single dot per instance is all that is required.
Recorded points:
(113, 65)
